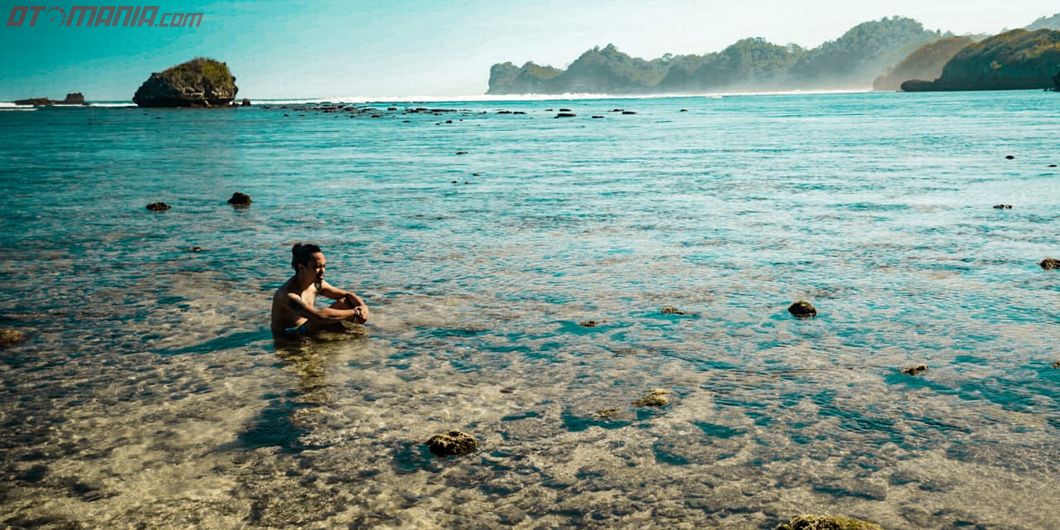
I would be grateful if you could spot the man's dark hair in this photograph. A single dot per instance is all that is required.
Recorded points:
(302, 253)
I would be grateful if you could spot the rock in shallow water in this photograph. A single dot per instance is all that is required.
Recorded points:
(158, 206)
(826, 522)
(1050, 263)
(671, 310)
(11, 337)
(915, 370)
(452, 443)
(655, 398)
(239, 199)
(802, 309)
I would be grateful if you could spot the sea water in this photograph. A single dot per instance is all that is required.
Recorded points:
(150, 392)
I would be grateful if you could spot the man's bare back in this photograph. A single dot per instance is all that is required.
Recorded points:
(293, 306)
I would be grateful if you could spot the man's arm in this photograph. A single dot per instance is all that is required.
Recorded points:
(354, 301)
(325, 315)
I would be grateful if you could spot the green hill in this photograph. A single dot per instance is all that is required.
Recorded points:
(851, 61)
(924, 63)
(1017, 59)
(1052, 22)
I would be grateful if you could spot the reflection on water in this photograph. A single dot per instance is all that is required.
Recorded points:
(151, 391)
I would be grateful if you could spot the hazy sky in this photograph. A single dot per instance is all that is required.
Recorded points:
(431, 48)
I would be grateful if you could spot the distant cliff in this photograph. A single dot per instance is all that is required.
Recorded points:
(1017, 59)
(924, 63)
(851, 61)
(1052, 22)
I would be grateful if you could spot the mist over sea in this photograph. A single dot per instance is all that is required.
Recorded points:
(151, 393)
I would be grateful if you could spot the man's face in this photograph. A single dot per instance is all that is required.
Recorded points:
(315, 267)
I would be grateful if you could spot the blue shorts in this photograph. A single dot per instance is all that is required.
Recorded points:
(298, 331)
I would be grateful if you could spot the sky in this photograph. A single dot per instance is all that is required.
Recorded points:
(399, 48)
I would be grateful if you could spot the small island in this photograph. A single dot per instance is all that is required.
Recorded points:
(73, 98)
(200, 82)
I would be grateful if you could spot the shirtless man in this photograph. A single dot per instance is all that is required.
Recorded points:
(293, 310)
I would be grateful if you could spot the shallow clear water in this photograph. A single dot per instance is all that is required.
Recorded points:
(151, 392)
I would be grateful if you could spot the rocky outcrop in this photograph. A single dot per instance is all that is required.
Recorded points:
(199, 82)
(73, 98)
(158, 206)
(1050, 264)
(1017, 59)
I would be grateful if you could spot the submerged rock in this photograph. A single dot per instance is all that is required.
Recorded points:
(1009, 157)
(606, 414)
(802, 309)
(915, 370)
(452, 443)
(671, 310)
(199, 82)
(1002, 206)
(590, 323)
(826, 522)
(655, 398)
(158, 206)
(566, 115)
(239, 199)
(11, 337)
(1056, 364)
(1050, 263)
(628, 112)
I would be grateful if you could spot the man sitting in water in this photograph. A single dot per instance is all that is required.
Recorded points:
(293, 311)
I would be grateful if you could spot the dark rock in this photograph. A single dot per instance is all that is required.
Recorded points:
(671, 310)
(519, 112)
(591, 323)
(1050, 263)
(1002, 206)
(1056, 364)
(826, 522)
(391, 109)
(448, 121)
(504, 112)
(245, 103)
(158, 206)
(239, 199)
(1009, 157)
(565, 110)
(73, 98)
(36, 102)
(10, 337)
(452, 443)
(1052, 165)
(566, 115)
(461, 152)
(628, 112)
(380, 116)
(915, 370)
(802, 309)
(655, 398)
(195, 249)
(597, 117)
(199, 82)
(684, 110)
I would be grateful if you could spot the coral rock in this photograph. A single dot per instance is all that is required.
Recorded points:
(826, 522)
(452, 443)
(10, 337)
(655, 398)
